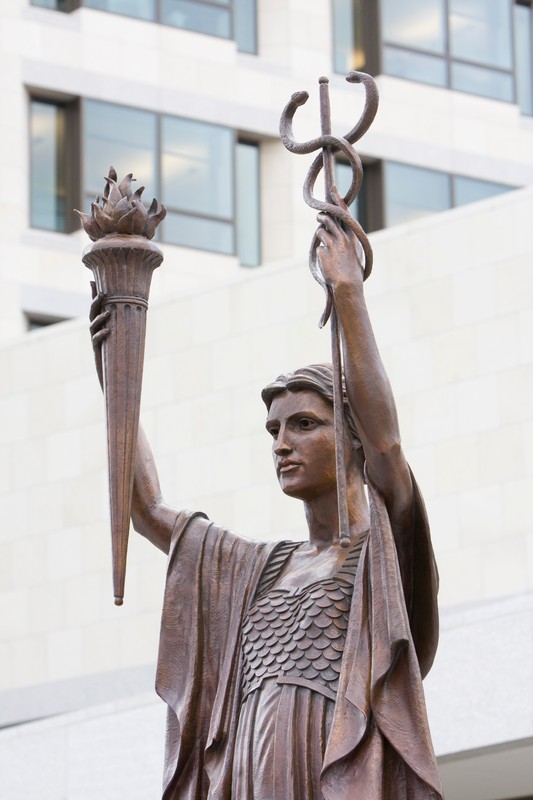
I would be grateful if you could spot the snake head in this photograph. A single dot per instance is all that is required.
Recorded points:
(371, 105)
(298, 99)
(285, 123)
(356, 77)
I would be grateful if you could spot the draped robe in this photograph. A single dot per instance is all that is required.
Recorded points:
(379, 746)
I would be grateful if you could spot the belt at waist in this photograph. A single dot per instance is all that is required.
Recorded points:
(293, 680)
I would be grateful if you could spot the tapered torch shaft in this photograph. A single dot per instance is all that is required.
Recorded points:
(122, 267)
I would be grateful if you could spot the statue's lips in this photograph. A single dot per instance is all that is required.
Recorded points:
(287, 466)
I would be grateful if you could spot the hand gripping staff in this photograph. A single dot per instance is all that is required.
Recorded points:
(329, 145)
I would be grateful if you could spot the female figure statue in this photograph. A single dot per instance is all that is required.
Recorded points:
(292, 671)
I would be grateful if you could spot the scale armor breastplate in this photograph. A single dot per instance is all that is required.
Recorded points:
(297, 635)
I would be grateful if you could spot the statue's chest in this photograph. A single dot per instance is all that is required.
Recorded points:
(298, 635)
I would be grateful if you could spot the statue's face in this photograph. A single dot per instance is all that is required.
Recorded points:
(303, 444)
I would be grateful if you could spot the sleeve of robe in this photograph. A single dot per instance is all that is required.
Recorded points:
(380, 742)
(212, 576)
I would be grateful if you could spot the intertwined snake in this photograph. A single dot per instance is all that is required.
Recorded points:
(334, 144)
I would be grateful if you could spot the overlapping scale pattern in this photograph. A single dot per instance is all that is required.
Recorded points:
(299, 633)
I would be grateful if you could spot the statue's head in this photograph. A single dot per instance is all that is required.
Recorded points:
(315, 378)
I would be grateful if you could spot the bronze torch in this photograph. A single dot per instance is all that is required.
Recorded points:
(122, 259)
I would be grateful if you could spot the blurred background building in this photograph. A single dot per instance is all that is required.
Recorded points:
(187, 95)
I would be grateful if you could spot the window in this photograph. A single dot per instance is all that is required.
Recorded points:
(208, 181)
(229, 19)
(355, 41)
(53, 145)
(140, 9)
(57, 5)
(411, 192)
(123, 137)
(197, 167)
(394, 193)
(35, 322)
(475, 46)
(247, 199)
(367, 207)
(461, 44)
(523, 42)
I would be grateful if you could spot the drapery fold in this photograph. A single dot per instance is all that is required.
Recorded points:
(379, 746)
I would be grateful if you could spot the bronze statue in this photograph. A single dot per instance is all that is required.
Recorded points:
(293, 671)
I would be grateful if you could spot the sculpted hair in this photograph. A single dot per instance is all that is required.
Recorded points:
(315, 378)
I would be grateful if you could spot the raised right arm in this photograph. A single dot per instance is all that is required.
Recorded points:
(150, 515)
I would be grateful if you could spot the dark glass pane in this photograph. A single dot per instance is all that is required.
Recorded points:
(197, 16)
(523, 37)
(37, 322)
(197, 167)
(245, 25)
(201, 234)
(141, 9)
(480, 31)
(343, 35)
(343, 180)
(55, 5)
(486, 82)
(125, 138)
(47, 182)
(247, 205)
(420, 24)
(413, 192)
(469, 190)
(349, 44)
(414, 66)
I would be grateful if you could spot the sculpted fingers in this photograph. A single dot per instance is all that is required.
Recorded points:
(98, 332)
(100, 336)
(329, 223)
(96, 305)
(322, 234)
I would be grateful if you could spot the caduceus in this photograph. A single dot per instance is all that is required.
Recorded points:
(329, 145)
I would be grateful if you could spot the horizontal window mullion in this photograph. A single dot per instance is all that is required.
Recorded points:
(188, 213)
(215, 3)
(448, 57)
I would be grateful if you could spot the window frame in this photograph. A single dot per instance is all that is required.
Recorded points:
(372, 212)
(526, 4)
(229, 5)
(451, 178)
(449, 60)
(88, 196)
(370, 12)
(71, 154)
(68, 5)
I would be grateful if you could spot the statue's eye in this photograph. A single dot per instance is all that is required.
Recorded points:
(305, 423)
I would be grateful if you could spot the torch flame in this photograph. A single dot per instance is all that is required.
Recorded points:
(121, 211)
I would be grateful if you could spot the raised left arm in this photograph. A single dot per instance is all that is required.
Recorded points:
(368, 388)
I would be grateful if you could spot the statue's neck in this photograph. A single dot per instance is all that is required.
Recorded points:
(323, 517)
